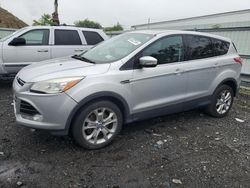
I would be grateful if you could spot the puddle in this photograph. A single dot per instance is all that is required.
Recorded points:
(10, 169)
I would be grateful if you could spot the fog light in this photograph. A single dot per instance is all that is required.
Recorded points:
(37, 117)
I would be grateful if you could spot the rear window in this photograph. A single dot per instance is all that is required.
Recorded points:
(198, 47)
(67, 37)
(92, 37)
(220, 47)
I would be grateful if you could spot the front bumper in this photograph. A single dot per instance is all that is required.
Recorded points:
(49, 112)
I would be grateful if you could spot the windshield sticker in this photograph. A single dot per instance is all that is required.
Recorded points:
(134, 41)
(109, 57)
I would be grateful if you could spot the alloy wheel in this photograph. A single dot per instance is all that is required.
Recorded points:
(99, 125)
(224, 102)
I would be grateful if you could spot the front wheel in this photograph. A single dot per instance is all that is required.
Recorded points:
(97, 125)
(222, 101)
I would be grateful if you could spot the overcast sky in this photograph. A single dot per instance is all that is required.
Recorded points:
(126, 12)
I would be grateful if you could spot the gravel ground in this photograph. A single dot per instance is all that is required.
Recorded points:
(188, 149)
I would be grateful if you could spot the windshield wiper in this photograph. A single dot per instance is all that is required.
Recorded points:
(82, 59)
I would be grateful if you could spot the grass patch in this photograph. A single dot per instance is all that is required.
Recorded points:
(245, 91)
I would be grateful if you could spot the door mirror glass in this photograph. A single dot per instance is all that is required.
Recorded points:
(17, 42)
(148, 61)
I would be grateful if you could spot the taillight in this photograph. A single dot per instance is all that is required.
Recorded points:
(238, 60)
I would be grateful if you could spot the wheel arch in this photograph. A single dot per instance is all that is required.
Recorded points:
(232, 83)
(110, 96)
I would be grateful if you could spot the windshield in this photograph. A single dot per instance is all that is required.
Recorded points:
(116, 48)
(8, 36)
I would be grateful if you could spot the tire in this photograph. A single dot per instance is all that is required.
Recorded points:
(97, 125)
(220, 106)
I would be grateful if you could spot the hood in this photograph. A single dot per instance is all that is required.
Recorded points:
(61, 67)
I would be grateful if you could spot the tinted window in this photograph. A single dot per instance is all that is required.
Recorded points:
(166, 50)
(67, 37)
(220, 47)
(198, 47)
(36, 37)
(92, 38)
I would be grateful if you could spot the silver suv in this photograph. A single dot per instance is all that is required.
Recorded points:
(134, 76)
(40, 43)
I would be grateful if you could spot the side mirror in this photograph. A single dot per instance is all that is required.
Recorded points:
(148, 61)
(17, 42)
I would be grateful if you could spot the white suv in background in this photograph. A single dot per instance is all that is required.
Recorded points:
(39, 43)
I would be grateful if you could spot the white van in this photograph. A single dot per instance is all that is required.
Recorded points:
(39, 43)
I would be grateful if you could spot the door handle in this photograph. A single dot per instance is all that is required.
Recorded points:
(215, 65)
(42, 50)
(78, 50)
(178, 71)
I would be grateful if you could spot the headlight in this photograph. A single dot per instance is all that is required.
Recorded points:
(56, 85)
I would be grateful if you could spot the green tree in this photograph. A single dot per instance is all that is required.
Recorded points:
(46, 19)
(117, 27)
(88, 24)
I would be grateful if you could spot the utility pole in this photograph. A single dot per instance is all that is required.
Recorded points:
(148, 23)
(55, 16)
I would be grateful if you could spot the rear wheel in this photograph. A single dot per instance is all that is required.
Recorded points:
(222, 101)
(97, 125)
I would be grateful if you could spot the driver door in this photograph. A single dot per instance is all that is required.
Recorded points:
(36, 49)
(164, 85)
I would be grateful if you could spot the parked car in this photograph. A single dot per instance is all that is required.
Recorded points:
(39, 43)
(133, 76)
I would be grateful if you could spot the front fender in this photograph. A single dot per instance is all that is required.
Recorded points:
(96, 96)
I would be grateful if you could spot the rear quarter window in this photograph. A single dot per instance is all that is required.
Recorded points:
(92, 38)
(220, 47)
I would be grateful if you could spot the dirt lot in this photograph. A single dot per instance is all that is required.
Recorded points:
(187, 149)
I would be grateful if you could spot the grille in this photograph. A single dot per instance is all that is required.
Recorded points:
(20, 81)
(26, 108)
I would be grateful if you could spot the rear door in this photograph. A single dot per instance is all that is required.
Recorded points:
(67, 42)
(36, 49)
(202, 65)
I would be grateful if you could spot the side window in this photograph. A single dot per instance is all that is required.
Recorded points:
(166, 50)
(220, 47)
(67, 37)
(92, 37)
(36, 37)
(198, 47)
